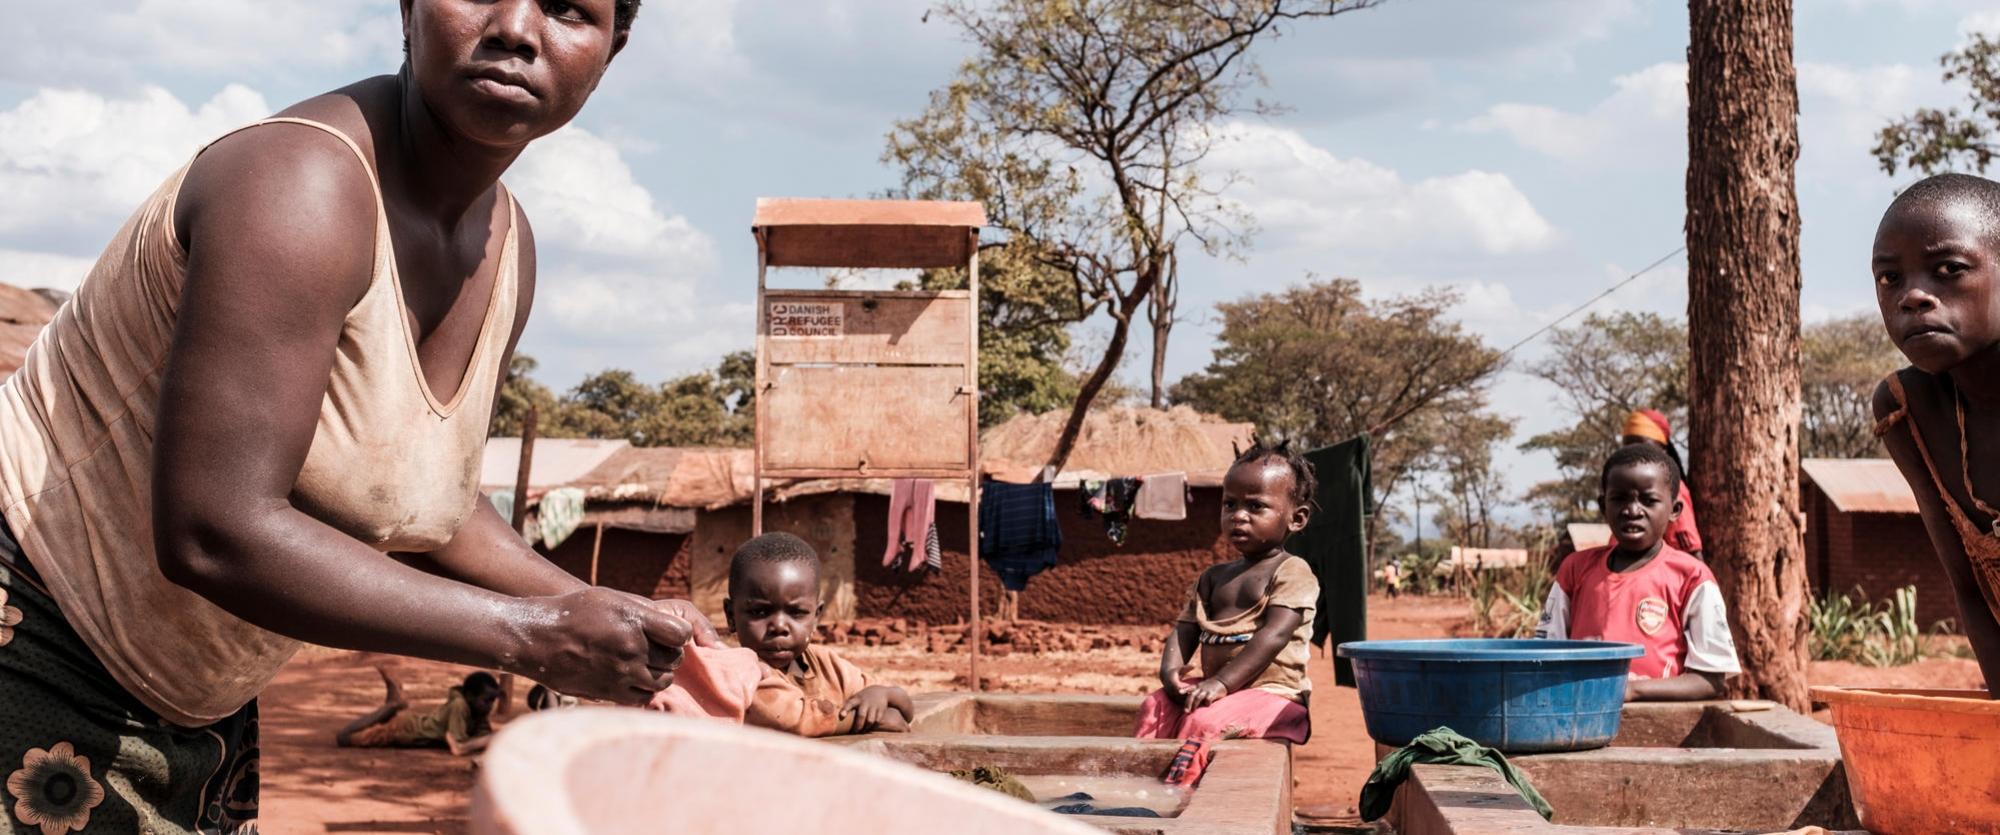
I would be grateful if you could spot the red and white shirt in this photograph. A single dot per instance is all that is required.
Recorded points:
(1671, 606)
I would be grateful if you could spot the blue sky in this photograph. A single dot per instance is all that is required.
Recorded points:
(1528, 152)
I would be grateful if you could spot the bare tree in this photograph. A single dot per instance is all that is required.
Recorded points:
(1083, 126)
(1743, 334)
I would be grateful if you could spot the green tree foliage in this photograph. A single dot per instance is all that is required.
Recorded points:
(1318, 364)
(1932, 140)
(1609, 365)
(1604, 368)
(1081, 126)
(1025, 310)
(708, 408)
(1841, 361)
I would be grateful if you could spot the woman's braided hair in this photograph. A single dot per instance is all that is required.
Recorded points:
(1304, 483)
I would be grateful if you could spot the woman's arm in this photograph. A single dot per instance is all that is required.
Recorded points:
(280, 226)
(1974, 617)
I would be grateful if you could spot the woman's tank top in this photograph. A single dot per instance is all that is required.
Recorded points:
(391, 464)
(1982, 547)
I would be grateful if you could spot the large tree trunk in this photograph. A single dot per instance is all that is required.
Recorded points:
(1743, 331)
(1160, 363)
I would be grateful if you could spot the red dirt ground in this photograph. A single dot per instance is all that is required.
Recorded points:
(310, 786)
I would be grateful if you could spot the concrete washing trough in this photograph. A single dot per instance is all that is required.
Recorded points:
(606, 771)
(1674, 768)
(1246, 789)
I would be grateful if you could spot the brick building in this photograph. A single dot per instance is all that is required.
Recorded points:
(1863, 531)
(663, 522)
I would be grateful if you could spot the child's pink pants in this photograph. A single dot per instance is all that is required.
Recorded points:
(1244, 714)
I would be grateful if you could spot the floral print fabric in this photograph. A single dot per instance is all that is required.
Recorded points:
(81, 755)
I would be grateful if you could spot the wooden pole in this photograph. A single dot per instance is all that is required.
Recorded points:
(757, 393)
(520, 515)
(596, 545)
(972, 455)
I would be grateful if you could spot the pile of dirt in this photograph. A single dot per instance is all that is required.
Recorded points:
(1002, 638)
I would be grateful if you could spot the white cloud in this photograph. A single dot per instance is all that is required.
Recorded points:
(1986, 21)
(229, 37)
(74, 159)
(1309, 198)
(42, 269)
(1643, 118)
(583, 197)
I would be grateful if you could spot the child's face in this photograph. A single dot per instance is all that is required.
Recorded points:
(1638, 506)
(481, 703)
(1257, 508)
(1935, 282)
(776, 610)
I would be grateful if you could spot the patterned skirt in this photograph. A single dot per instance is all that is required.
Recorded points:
(80, 754)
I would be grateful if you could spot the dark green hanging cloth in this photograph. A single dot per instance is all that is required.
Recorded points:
(1335, 544)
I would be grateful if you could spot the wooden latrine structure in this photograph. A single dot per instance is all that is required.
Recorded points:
(870, 383)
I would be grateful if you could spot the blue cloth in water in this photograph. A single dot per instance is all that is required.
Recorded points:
(1115, 812)
(1018, 533)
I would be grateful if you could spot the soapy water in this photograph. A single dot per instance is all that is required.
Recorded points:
(1066, 792)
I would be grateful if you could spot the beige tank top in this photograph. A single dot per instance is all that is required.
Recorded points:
(391, 464)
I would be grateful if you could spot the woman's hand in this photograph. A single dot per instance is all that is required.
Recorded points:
(597, 643)
(704, 632)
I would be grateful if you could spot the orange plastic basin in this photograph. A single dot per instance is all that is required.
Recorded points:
(1919, 761)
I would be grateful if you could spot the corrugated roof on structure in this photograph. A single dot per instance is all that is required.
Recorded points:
(1116, 441)
(804, 232)
(1587, 535)
(1861, 485)
(557, 462)
(1482, 559)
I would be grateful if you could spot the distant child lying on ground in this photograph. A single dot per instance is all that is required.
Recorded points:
(460, 724)
(774, 608)
(1251, 617)
(1640, 590)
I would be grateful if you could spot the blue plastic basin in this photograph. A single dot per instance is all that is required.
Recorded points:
(1520, 696)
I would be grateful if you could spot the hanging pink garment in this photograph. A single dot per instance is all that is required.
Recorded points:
(1244, 714)
(912, 509)
(715, 683)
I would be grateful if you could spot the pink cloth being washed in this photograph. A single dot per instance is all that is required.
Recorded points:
(1244, 714)
(912, 508)
(715, 683)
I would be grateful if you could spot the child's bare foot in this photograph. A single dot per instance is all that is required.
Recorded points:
(392, 691)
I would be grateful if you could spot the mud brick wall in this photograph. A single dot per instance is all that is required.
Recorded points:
(1094, 582)
(651, 564)
(1879, 552)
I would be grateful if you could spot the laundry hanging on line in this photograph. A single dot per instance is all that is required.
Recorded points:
(1335, 544)
(1018, 533)
(1162, 497)
(912, 525)
(558, 515)
(1113, 499)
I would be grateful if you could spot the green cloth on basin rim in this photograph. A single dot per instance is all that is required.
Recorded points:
(1442, 746)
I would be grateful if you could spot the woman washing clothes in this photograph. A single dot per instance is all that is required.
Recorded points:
(260, 422)
(1648, 426)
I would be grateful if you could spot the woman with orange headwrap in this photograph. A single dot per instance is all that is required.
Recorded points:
(1649, 426)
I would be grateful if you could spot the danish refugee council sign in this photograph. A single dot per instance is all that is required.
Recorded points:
(807, 320)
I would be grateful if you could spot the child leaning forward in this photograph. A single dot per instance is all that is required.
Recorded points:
(1251, 618)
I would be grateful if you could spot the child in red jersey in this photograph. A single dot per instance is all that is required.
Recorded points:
(1640, 590)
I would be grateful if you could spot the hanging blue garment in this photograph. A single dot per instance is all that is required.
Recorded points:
(1018, 534)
